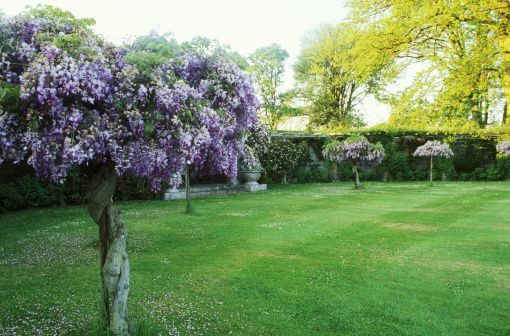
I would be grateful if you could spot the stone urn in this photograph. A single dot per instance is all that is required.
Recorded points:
(250, 176)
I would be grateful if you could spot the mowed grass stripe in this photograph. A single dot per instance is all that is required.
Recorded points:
(317, 259)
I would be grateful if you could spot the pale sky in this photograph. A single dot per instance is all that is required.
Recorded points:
(244, 25)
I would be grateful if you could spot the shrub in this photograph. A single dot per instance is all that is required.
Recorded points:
(316, 173)
(75, 187)
(395, 165)
(10, 199)
(282, 157)
(467, 156)
(130, 187)
(28, 192)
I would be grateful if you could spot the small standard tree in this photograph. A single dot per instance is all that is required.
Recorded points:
(433, 149)
(69, 98)
(357, 150)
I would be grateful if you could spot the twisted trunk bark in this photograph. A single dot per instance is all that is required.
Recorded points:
(112, 241)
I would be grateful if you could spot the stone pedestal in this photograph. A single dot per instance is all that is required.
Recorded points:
(251, 187)
(202, 190)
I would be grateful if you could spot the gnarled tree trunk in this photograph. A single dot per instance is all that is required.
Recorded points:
(112, 241)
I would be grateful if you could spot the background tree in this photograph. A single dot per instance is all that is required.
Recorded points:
(357, 150)
(213, 48)
(464, 44)
(432, 149)
(70, 99)
(267, 64)
(333, 77)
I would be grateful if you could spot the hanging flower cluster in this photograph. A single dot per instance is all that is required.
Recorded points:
(503, 147)
(355, 149)
(434, 148)
(92, 107)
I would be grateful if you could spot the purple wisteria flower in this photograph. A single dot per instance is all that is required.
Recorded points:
(357, 150)
(82, 108)
(434, 148)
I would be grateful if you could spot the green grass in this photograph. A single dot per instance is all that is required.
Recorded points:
(317, 259)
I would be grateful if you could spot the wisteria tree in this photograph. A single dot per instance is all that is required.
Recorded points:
(432, 149)
(357, 150)
(69, 98)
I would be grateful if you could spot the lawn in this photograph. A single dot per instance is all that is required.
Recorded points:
(316, 259)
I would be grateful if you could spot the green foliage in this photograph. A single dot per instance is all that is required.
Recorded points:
(444, 166)
(28, 192)
(330, 79)
(439, 132)
(267, 64)
(399, 165)
(460, 46)
(75, 187)
(151, 51)
(212, 47)
(10, 198)
(131, 187)
(76, 43)
(59, 16)
(282, 157)
(312, 174)
(395, 165)
(467, 156)
(9, 96)
(31, 192)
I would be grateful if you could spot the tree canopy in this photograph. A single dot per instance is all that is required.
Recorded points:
(267, 65)
(462, 46)
(333, 76)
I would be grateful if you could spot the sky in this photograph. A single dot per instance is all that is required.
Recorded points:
(245, 25)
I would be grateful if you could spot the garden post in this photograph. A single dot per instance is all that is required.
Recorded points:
(357, 184)
(431, 167)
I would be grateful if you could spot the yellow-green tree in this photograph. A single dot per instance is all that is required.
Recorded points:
(267, 65)
(465, 43)
(333, 77)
